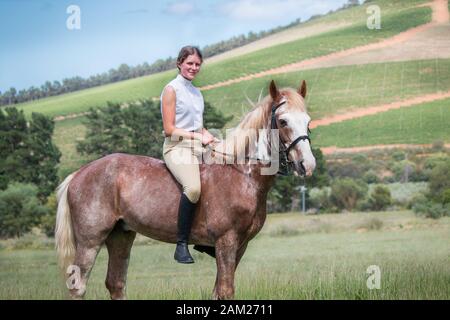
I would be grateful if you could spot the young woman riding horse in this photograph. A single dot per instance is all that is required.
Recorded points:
(182, 113)
(109, 200)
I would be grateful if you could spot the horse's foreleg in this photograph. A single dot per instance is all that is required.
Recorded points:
(119, 243)
(226, 253)
(240, 253)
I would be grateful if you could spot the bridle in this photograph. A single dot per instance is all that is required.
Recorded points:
(285, 164)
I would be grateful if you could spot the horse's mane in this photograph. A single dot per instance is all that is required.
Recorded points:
(241, 141)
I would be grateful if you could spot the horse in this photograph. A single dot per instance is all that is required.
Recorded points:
(109, 200)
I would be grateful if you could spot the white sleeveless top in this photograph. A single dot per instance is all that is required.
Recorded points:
(189, 104)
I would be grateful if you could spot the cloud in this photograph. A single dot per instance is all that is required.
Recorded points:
(275, 10)
(179, 8)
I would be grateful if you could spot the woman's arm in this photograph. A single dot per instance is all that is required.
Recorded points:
(168, 115)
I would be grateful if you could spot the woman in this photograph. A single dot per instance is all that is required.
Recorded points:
(182, 113)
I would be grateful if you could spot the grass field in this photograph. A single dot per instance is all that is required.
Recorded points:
(424, 123)
(330, 91)
(65, 136)
(334, 90)
(394, 22)
(294, 257)
(314, 46)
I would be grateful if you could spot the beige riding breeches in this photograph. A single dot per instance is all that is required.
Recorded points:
(183, 159)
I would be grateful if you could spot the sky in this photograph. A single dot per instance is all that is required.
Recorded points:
(37, 45)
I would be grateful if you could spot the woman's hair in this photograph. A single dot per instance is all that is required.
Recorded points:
(186, 52)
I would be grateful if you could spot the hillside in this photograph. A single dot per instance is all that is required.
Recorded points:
(358, 72)
(397, 18)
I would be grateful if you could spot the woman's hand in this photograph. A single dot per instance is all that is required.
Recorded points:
(207, 139)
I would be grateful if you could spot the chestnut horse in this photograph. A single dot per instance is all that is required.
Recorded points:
(110, 199)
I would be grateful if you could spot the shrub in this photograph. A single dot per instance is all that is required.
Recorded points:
(438, 145)
(346, 192)
(445, 197)
(371, 177)
(20, 209)
(398, 156)
(439, 180)
(48, 220)
(372, 224)
(430, 209)
(418, 198)
(380, 198)
(405, 171)
(320, 199)
(345, 170)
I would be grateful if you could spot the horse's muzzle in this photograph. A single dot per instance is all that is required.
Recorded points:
(302, 168)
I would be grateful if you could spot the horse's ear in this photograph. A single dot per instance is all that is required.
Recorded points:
(302, 89)
(274, 93)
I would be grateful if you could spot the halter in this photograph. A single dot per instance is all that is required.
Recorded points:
(285, 164)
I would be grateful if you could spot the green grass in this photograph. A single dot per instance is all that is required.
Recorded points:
(80, 101)
(358, 14)
(151, 86)
(65, 137)
(424, 123)
(313, 263)
(337, 89)
(314, 46)
(330, 91)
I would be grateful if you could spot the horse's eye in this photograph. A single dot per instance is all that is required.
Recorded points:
(283, 123)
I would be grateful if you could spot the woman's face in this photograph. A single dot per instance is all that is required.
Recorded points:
(190, 66)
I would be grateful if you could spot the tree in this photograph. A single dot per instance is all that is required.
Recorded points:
(20, 209)
(106, 132)
(13, 134)
(42, 157)
(214, 118)
(27, 153)
(48, 220)
(145, 128)
(439, 181)
(136, 129)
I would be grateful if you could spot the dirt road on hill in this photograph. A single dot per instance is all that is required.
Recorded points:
(334, 150)
(435, 48)
(431, 40)
(362, 112)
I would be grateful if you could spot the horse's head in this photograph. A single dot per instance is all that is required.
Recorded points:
(292, 121)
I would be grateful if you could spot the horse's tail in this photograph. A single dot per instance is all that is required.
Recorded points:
(64, 239)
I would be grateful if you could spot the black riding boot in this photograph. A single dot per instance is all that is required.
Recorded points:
(186, 213)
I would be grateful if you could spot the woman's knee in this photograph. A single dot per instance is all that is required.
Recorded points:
(193, 193)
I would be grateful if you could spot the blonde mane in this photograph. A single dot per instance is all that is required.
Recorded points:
(242, 140)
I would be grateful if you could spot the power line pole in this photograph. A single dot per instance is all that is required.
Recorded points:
(303, 191)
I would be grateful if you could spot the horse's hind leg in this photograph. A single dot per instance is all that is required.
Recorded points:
(84, 261)
(119, 243)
